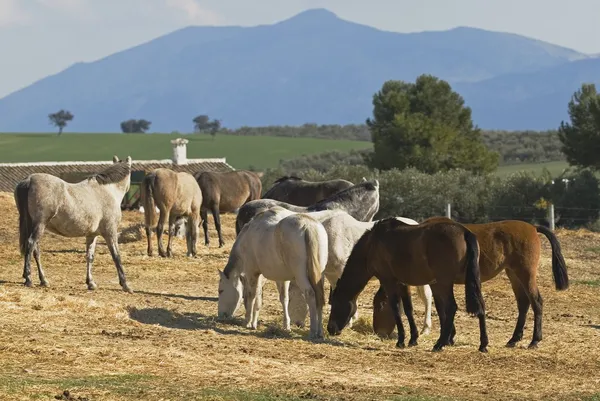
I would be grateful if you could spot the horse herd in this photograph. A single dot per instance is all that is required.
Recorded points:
(299, 234)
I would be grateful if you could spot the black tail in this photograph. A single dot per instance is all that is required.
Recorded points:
(559, 267)
(147, 195)
(25, 222)
(473, 295)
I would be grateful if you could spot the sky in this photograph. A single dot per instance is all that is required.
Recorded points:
(43, 37)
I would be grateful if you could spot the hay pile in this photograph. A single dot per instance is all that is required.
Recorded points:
(164, 342)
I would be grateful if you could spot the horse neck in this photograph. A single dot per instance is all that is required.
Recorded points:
(357, 272)
(117, 190)
(232, 268)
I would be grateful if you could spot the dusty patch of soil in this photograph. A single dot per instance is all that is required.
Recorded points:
(164, 341)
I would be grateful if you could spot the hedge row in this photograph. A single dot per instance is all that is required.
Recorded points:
(474, 198)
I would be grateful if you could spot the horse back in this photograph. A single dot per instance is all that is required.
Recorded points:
(228, 191)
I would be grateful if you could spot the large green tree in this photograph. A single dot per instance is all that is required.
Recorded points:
(581, 137)
(425, 125)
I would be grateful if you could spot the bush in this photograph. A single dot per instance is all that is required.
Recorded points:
(474, 198)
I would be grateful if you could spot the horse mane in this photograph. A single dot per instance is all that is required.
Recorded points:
(113, 174)
(387, 224)
(369, 186)
(286, 178)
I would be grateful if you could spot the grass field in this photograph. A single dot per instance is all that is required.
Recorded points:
(163, 342)
(241, 152)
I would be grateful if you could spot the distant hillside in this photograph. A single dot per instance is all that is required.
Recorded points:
(313, 67)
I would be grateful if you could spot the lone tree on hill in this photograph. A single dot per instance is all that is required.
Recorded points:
(203, 124)
(581, 137)
(60, 119)
(425, 125)
(135, 126)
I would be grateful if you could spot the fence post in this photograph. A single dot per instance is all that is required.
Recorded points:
(551, 216)
(448, 211)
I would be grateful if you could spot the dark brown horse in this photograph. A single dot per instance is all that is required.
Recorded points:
(296, 191)
(439, 253)
(509, 245)
(225, 192)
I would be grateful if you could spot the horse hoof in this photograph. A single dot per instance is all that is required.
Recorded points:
(425, 332)
(451, 341)
(44, 283)
(127, 289)
(412, 343)
(28, 283)
(437, 348)
(92, 286)
(511, 344)
(533, 345)
(483, 349)
(400, 345)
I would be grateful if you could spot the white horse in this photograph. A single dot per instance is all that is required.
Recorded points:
(343, 232)
(279, 245)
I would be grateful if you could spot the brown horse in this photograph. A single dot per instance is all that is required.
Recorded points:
(509, 245)
(225, 192)
(438, 253)
(177, 196)
(296, 191)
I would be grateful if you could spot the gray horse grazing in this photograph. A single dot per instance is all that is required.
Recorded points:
(178, 198)
(225, 192)
(87, 209)
(298, 192)
(360, 201)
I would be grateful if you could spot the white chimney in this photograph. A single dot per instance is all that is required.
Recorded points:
(179, 151)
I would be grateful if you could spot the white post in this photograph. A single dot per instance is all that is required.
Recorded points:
(179, 151)
(551, 216)
(448, 211)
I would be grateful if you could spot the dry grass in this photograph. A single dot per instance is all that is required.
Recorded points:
(164, 342)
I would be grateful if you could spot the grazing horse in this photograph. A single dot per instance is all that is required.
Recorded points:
(87, 209)
(343, 232)
(509, 245)
(361, 201)
(279, 245)
(440, 254)
(298, 192)
(177, 197)
(225, 192)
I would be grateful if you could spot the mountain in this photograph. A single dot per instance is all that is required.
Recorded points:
(314, 67)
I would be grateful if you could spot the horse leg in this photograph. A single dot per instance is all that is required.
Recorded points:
(283, 288)
(204, 217)
(90, 250)
(522, 305)
(193, 234)
(257, 301)
(440, 298)
(315, 313)
(172, 221)
(41, 274)
(33, 249)
(113, 247)
(217, 219)
(160, 228)
(250, 292)
(424, 292)
(408, 311)
(150, 251)
(393, 300)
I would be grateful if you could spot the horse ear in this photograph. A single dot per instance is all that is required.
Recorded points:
(115, 159)
(221, 274)
(364, 179)
(128, 160)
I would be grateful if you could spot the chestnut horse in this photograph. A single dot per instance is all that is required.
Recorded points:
(438, 253)
(510, 245)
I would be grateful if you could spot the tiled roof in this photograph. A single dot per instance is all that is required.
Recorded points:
(12, 173)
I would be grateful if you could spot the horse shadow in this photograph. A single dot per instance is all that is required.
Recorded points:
(186, 297)
(64, 251)
(198, 321)
(593, 326)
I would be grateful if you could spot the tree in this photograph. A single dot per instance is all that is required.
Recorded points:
(60, 119)
(203, 124)
(425, 125)
(135, 126)
(581, 137)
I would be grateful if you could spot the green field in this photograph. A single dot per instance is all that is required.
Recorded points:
(240, 151)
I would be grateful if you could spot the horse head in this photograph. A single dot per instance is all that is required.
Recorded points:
(231, 290)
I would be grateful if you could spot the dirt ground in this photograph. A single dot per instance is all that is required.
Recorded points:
(163, 342)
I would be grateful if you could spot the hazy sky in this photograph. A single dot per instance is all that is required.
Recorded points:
(42, 37)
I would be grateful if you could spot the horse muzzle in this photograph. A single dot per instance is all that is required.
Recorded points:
(333, 329)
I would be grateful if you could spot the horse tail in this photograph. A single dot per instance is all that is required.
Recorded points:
(559, 267)
(25, 221)
(147, 195)
(473, 295)
(313, 268)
